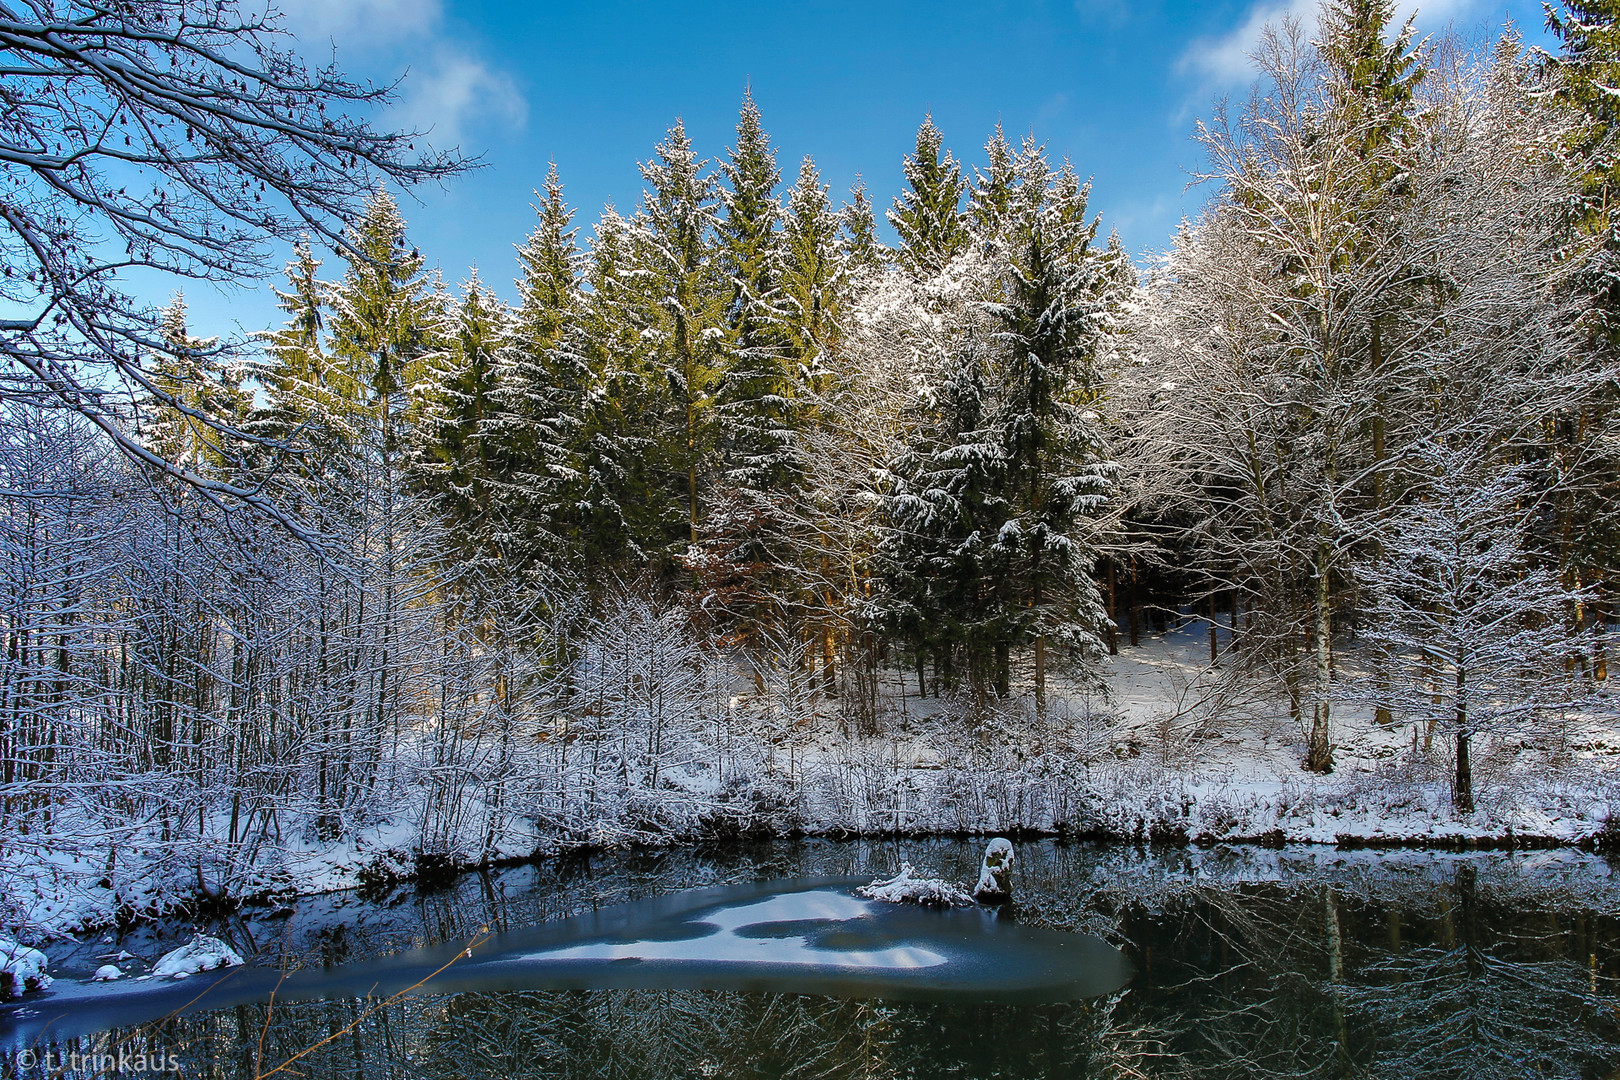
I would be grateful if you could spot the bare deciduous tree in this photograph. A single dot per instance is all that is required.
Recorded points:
(183, 136)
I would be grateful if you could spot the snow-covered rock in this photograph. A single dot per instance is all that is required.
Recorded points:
(21, 969)
(203, 954)
(903, 888)
(995, 873)
(106, 973)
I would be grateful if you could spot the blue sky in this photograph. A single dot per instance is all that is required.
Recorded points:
(1113, 86)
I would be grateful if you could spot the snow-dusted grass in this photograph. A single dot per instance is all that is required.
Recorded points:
(1173, 749)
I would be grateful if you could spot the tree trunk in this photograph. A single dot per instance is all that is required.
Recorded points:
(1462, 797)
(829, 674)
(1040, 678)
(1113, 612)
(1320, 754)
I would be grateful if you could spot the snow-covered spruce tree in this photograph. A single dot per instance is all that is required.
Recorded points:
(628, 505)
(1583, 77)
(858, 239)
(815, 291)
(321, 403)
(533, 435)
(944, 505)
(452, 407)
(741, 554)
(815, 271)
(755, 400)
(386, 324)
(1472, 623)
(1048, 324)
(990, 200)
(988, 547)
(198, 401)
(928, 216)
(679, 300)
(311, 398)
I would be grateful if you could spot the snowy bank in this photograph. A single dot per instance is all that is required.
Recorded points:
(48, 891)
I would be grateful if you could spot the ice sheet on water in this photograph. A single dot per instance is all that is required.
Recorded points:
(808, 935)
(788, 929)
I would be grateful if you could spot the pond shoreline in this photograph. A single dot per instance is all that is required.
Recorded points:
(393, 869)
(51, 890)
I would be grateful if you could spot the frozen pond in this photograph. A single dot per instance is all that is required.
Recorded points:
(760, 960)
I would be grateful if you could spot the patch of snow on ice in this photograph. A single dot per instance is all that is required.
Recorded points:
(203, 954)
(903, 888)
(728, 935)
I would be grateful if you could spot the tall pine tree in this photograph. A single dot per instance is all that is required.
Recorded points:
(682, 295)
(928, 217)
(535, 432)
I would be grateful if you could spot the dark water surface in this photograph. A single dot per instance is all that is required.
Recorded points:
(1226, 962)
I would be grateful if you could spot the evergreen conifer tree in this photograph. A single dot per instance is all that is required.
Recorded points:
(814, 276)
(682, 299)
(1586, 75)
(310, 395)
(1056, 474)
(535, 428)
(628, 505)
(993, 186)
(455, 402)
(858, 223)
(385, 321)
(756, 398)
(928, 217)
(944, 508)
(199, 400)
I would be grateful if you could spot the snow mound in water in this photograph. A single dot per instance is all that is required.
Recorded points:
(203, 954)
(106, 973)
(905, 889)
(21, 969)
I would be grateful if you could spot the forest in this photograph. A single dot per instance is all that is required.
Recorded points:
(742, 521)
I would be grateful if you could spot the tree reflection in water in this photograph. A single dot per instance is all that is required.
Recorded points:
(1412, 965)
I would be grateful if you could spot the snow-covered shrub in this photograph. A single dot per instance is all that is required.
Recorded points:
(21, 970)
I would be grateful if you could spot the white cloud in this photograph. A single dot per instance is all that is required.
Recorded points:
(361, 23)
(447, 91)
(1222, 61)
(456, 90)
